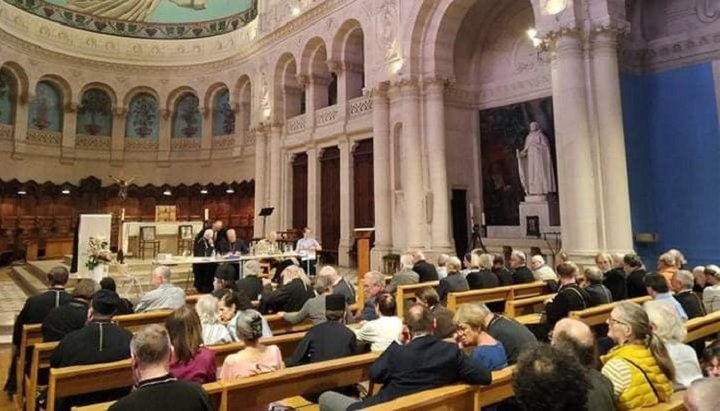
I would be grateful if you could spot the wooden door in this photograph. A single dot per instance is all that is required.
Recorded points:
(363, 183)
(299, 191)
(330, 198)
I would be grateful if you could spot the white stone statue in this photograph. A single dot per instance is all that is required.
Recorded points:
(537, 173)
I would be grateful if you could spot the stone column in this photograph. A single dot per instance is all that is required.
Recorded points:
(381, 174)
(260, 177)
(613, 162)
(437, 163)
(206, 134)
(117, 141)
(242, 118)
(342, 81)
(20, 126)
(313, 191)
(67, 146)
(411, 163)
(347, 216)
(275, 168)
(576, 181)
(164, 142)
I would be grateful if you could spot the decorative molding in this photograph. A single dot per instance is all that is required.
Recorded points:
(185, 144)
(670, 53)
(7, 131)
(93, 142)
(141, 144)
(707, 11)
(326, 115)
(44, 137)
(359, 107)
(226, 141)
(296, 124)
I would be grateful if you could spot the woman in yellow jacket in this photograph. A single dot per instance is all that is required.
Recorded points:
(639, 367)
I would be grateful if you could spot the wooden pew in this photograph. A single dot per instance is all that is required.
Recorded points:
(31, 335)
(496, 294)
(458, 397)
(516, 308)
(599, 314)
(40, 360)
(135, 322)
(406, 292)
(266, 388)
(701, 327)
(214, 390)
(286, 343)
(675, 404)
(84, 379)
(279, 326)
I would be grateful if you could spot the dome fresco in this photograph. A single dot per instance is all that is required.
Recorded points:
(162, 19)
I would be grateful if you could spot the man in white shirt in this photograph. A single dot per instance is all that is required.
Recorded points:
(164, 296)
(380, 333)
(308, 248)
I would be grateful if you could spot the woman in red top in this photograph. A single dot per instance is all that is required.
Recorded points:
(191, 361)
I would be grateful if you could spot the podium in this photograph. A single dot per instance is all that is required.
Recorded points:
(362, 235)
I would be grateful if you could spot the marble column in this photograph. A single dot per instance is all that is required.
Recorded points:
(613, 161)
(276, 168)
(381, 174)
(260, 177)
(313, 191)
(411, 163)
(206, 133)
(117, 140)
(20, 125)
(576, 181)
(67, 147)
(347, 216)
(164, 142)
(437, 163)
(342, 81)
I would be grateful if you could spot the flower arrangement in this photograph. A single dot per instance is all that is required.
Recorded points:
(98, 252)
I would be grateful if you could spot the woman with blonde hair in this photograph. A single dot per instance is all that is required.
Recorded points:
(213, 332)
(668, 325)
(639, 367)
(471, 332)
(191, 360)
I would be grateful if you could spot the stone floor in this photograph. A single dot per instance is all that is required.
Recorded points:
(12, 299)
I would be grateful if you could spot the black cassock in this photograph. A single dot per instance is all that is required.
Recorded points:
(166, 393)
(204, 273)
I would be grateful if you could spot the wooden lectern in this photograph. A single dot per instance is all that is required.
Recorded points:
(362, 235)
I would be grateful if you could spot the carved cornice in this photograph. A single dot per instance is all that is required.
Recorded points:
(670, 53)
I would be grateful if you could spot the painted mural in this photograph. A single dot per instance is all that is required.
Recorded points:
(502, 131)
(142, 119)
(95, 114)
(223, 114)
(7, 98)
(187, 121)
(146, 18)
(46, 109)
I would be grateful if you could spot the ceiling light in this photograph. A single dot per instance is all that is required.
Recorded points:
(22, 192)
(203, 191)
(65, 191)
(230, 191)
(554, 7)
(167, 192)
(295, 11)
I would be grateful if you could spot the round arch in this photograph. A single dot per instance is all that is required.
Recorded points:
(101, 86)
(20, 77)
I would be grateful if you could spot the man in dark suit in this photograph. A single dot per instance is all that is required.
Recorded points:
(570, 296)
(373, 284)
(425, 270)
(521, 274)
(34, 311)
(683, 285)
(633, 266)
(72, 316)
(422, 362)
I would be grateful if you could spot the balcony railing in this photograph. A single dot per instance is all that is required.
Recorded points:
(89, 142)
(359, 107)
(296, 124)
(44, 137)
(326, 115)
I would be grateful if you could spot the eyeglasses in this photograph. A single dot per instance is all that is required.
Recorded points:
(611, 321)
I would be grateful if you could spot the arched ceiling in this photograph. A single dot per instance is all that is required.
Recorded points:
(161, 19)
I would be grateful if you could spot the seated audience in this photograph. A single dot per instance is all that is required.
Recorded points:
(230, 244)
(639, 367)
(711, 360)
(454, 281)
(124, 305)
(703, 395)
(339, 285)
(699, 279)
(328, 340)
(635, 271)
(425, 270)
(657, 288)
(667, 267)
(268, 245)
(467, 264)
(251, 284)
(314, 308)
(213, 332)
(679, 260)
(381, 332)
(668, 326)
(164, 296)
(255, 358)
(156, 389)
(224, 278)
(373, 284)
(499, 269)
(291, 295)
(570, 296)
(421, 361)
(482, 275)
(100, 341)
(230, 305)
(683, 285)
(71, 316)
(444, 327)
(406, 275)
(521, 274)
(548, 379)
(471, 333)
(599, 294)
(577, 339)
(711, 293)
(514, 337)
(442, 266)
(191, 360)
(614, 278)
(543, 272)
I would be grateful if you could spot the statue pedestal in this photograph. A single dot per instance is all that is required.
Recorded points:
(538, 215)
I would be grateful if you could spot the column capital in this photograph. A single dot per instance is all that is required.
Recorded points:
(378, 92)
(71, 107)
(302, 79)
(436, 85)
(120, 111)
(408, 87)
(336, 67)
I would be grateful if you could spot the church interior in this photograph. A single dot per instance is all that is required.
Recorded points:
(544, 166)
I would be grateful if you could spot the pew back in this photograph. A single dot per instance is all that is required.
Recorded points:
(496, 294)
(522, 306)
(599, 314)
(31, 335)
(83, 379)
(701, 327)
(406, 292)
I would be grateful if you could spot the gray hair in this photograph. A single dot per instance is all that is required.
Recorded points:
(207, 309)
(538, 259)
(593, 273)
(454, 264)
(667, 259)
(417, 254)
(406, 261)
(443, 260)
(151, 345)
(376, 277)
(251, 268)
(163, 271)
(485, 261)
(686, 279)
(322, 283)
(666, 321)
(703, 394)
(249, 325)
(519, 255)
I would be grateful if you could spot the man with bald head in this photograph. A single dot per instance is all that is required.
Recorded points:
(703, 395)
(577, 339)
(164, 296)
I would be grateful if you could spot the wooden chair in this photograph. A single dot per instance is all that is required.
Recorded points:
(31, 335)
(147, 237)
(406, 292)
(185, 239)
